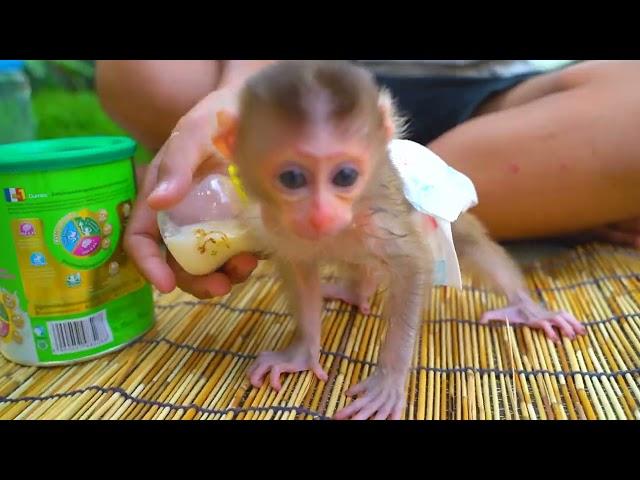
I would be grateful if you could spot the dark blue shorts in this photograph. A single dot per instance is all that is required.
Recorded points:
(434, 105)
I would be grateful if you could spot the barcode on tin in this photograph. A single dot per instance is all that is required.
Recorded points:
(79, 334)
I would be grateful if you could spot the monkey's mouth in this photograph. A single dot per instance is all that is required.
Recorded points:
(308, 232)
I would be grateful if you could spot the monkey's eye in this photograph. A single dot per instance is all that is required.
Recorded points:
(293, 179)
(345, 177)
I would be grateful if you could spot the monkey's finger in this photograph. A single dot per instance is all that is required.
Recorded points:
(577, 326)
(396, 414)
(549, 331)
(257, 376)
(256, 364)
(351, 409)
(491, 317)
(372, 407)
(319, 372)
(385, 410)
(251, 369)
(365, 306)
(563, 326)
(276, 371)
(357, 389)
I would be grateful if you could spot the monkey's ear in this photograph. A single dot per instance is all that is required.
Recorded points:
(389, 115)
(225, 138)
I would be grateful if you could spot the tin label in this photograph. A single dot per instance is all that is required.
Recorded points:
(64, 267)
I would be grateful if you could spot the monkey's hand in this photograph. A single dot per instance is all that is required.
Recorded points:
(525, 311)
(382, 396)
(298, 357)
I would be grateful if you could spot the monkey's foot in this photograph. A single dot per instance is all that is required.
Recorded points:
(296, 358)
(381, 397)
(360, 297)
(526, 312)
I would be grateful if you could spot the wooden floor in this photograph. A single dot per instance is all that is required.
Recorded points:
(193, 364)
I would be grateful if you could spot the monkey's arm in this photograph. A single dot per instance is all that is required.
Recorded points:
(484, 258)
(302, 284)
(383, 394)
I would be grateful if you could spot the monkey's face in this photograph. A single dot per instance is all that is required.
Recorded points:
(311, 184)
(308, 138)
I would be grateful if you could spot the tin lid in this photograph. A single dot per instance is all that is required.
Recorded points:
(42, 155)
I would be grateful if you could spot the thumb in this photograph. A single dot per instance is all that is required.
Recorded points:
(182, 155)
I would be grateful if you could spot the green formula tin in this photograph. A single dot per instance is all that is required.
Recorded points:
(68, 292)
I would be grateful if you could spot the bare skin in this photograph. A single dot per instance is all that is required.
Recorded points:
(546, 149)
(151, 99)
(522, 144)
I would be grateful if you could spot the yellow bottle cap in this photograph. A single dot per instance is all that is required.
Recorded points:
(235, 179)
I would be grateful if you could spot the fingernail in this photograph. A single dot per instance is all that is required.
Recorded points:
(163, 187)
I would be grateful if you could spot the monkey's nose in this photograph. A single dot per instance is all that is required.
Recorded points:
(321, 222)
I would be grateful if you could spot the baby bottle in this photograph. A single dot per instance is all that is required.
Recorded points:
(204, 230)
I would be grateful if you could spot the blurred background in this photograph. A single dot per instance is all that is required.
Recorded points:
(42, 99)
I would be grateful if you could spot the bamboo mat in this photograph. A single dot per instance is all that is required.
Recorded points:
(192, 365)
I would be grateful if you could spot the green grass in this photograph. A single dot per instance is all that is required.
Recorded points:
(62, 113)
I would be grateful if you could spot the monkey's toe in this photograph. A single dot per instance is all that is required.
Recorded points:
(538, 318)
(292, 360)
(365, 305)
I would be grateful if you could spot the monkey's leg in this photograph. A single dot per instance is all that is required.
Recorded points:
(357, 287)
(490, 261)
(302, 283)
(383, 394)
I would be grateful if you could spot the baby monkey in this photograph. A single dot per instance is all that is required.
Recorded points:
(311, 147)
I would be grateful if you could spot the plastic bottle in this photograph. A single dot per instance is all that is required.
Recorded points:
(16, 118)
(205, 229)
